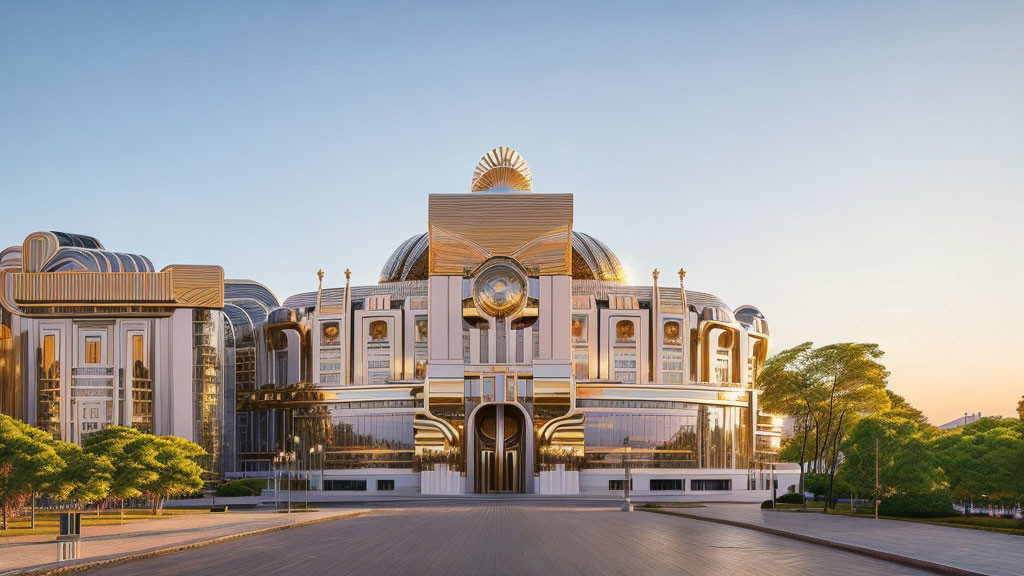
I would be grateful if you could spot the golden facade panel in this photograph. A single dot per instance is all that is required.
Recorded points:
(535, 229)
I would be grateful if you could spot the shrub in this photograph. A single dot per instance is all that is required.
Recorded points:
(791, 498)
(816, 484)
(243, 487)
(766, 505)
(936, 504)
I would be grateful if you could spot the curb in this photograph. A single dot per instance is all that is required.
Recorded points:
(870, 552)
(88, 565)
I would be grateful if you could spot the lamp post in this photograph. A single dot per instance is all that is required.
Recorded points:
(284, 459)
(278, 460)
(294, 460)
(627, 452)
(319, 450)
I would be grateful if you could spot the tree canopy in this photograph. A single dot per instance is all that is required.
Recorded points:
(906, 464)
(116, 462)
(984, 459)
(28, 461)
(826, 390)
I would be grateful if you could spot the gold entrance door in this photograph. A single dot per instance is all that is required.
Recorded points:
(499, 449)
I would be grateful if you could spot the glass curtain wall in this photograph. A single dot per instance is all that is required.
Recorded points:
(352, 440)
(207, 385)
(698, 436)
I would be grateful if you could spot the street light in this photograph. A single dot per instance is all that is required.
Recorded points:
(627, 506)
(318, 450)
(279, 459)
(284, 458)
(295, 464)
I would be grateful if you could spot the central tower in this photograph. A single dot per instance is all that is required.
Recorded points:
(501, 255)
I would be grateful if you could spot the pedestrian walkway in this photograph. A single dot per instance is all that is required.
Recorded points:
(35, 553)
(961, 549)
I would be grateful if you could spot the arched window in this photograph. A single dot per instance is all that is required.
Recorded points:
(625, 331)
(378, 330)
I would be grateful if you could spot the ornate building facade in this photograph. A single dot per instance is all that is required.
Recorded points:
(494, 355)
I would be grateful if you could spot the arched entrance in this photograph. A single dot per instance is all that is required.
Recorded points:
(501, 443)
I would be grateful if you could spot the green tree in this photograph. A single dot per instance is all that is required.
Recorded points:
(855, 383)
(826, 390)
(788, 391)
(28, 461)
(900, 408)
(817, 484)
(85, 478)
(984, 459)
(165, 466)
(126, 476)
(1020, 408)
(906, 463)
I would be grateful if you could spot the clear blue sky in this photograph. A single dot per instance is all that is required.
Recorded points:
(856, 171)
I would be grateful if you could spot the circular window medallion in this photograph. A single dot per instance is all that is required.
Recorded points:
(500, 288)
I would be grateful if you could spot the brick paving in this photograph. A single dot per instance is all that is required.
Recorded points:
(511, 538)
(971, 550)
(102, 542)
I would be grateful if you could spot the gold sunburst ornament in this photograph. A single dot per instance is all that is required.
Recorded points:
(502, 169)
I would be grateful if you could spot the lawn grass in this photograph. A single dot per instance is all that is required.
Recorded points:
(48, 521)
(1005, 525)
(669, 504)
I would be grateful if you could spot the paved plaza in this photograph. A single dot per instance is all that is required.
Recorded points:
(514, 537)
(139, 537)
(970, 550)
(524, 535)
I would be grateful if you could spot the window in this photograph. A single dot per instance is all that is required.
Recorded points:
(672, 353)
(710, 485)
(624, 353)
(420, 348)
(92, 349)
(619, 485)
(281, 364)
(48, 406)
(385, 484)
(354, 485)
(378, 353)
(142, 387)
(472, 388)
(667, 484)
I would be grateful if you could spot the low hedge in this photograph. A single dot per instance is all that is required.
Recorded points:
(935, 504)
(767, 505)
(243, 487)
(791, 498)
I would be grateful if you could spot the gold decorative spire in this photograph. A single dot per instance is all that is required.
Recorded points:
(348, 322)
(319, 287)
(687, 368)
(502, 169)
(655, 274)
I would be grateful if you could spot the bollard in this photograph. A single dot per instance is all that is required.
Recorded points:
(69, 541)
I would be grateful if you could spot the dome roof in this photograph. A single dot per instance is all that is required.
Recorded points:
(591, 260)
(594, 260)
